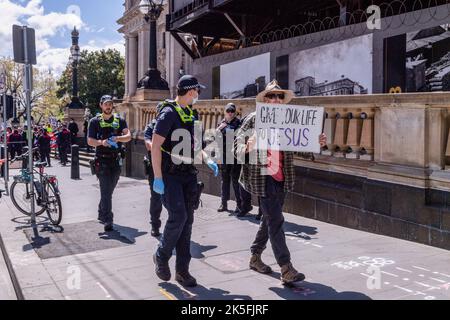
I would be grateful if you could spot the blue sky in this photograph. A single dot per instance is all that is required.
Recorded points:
(53, 21)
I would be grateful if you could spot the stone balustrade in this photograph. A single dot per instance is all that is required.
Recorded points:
(405, 129)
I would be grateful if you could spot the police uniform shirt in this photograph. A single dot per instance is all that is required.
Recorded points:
(96, 132)
(168, 121)
(148, 134)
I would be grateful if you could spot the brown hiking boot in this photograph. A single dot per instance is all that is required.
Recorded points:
(258, 265)
(290, 275)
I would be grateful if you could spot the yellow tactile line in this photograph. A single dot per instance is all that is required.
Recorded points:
(167, 295)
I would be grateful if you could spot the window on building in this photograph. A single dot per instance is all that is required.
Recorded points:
(163, 40)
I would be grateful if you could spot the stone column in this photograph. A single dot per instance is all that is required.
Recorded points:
(127, 67)
(144, 43)
(132, 65)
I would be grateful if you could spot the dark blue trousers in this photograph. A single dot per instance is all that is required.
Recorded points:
(108, 176)
(177, 199)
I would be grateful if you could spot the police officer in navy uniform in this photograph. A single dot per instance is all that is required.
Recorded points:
(175, 181)
(107, 132)
(155, 200)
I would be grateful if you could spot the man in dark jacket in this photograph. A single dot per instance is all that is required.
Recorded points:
(230, 170)
(63, 141)
(73, 128)
(44, 146)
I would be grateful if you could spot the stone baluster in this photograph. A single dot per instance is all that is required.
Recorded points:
(340, 138)
(330, 130)
(367, 145)
(354, 135)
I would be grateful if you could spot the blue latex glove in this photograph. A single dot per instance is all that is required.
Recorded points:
(113, 143)
(214, 167)
(158, 186)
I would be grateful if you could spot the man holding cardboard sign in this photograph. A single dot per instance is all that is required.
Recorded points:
(270, 136)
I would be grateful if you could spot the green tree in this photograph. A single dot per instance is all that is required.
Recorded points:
(99, 72)
(43, 97)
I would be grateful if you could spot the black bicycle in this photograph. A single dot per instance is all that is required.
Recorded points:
(47, 195)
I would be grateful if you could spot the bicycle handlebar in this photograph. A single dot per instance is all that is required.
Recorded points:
(23, 156)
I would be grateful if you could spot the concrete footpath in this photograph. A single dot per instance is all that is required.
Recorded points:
(83, 262)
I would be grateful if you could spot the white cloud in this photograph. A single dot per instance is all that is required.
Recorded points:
(95, 45)
(47, 25)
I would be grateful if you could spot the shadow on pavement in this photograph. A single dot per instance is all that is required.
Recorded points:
(197, 250)
(291, 229)
(201, 293)
(315, 291)
(123, 234)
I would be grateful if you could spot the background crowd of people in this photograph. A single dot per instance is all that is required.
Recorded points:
(58, 136)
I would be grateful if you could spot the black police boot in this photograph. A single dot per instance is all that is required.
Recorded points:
(109, 227)
(223, 207)
(162, 268)
(185, 279)
(155, 232)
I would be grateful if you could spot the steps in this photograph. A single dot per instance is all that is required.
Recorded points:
(85, 157)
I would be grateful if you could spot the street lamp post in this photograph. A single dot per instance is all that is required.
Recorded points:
(74, 60)
(14, 95)
(152, 80)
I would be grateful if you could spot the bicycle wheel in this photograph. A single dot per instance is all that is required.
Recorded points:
(20, 196)
(53, 207)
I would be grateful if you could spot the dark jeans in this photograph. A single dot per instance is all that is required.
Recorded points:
(271, 226)
(246, 199)
(2, 156)
(230, 174)
(178, 194)
(45, 156)
(155, 206)
(63, 153)
(108, 175)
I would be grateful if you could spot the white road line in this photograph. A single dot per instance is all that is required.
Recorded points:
(427, 286)
(438, 280)
(317, 245)
(390, 274)
(445, 275)
(108, 296)
(365, 275)
(404, 289)
(405, 270)
(421, 268)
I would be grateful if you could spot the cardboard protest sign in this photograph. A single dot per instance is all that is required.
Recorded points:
(288, 127)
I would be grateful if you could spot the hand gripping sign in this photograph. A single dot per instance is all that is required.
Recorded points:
(289, 127)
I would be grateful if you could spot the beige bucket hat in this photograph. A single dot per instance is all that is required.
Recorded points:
(273, 87)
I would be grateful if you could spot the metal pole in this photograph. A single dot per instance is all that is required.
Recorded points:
(28, 88)
(5, 148)
(153, 63)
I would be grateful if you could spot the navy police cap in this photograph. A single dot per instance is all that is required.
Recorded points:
(189, 82)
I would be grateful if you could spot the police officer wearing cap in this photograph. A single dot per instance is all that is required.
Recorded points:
(175, 178)
(230, 169)
(106, 132)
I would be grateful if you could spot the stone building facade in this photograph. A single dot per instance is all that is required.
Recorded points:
(172, 60)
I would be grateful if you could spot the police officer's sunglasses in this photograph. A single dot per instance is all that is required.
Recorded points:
(275, 95)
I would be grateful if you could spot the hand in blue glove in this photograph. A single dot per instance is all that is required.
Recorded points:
(158, 186)
(113, 143)
(213, 166)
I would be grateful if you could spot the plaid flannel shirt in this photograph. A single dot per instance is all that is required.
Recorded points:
(253, 176)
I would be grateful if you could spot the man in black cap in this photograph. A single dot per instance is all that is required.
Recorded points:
(230, 169)
(175, 177)
(107, 132)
